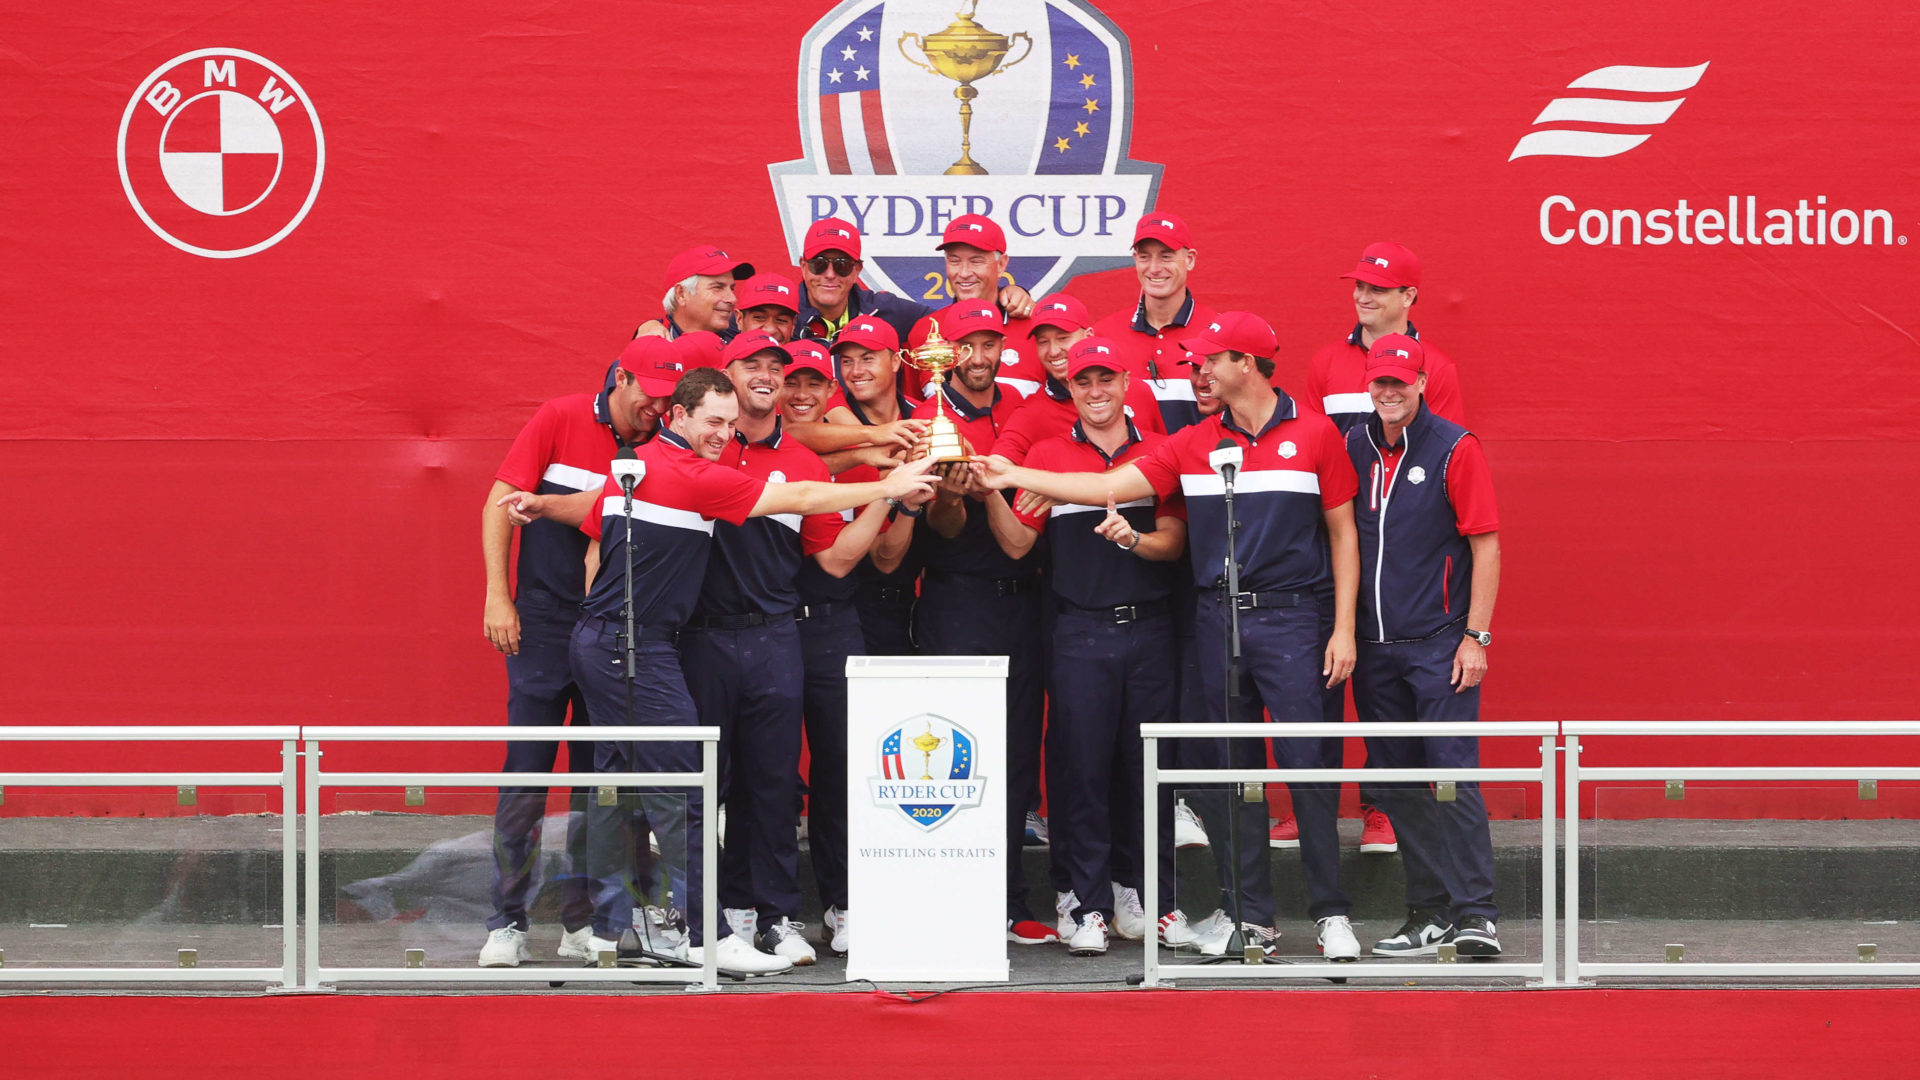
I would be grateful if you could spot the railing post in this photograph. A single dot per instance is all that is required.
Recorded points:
(1549, 880)
(312, 974)
(1571, 918)
(1150, 858)
(709, 865)
(289, 858)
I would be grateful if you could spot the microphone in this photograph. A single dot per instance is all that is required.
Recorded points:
(629, 470)
(1226, 459)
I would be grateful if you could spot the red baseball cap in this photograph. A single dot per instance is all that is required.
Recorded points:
(706, 261)
(868, 332)
(1093, 352)
(1396, 356)
(1390, 266)
(655, 363)
(751, 344)
(807, 355)
(767, 290)
(1061, 311)
(1234, 331)
(830, 234)
(701, 348)
(970, 316)
(1169, 229)
(974, 230)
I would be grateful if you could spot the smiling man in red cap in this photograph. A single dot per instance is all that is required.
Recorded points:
(767, 302)
(1299, 577)
(975, 248)
(1058, 323)
(700, 293)
(1149, 332)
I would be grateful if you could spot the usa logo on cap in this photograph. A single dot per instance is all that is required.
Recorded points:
(1214, 327)
(1377, 261)
(1045, 154)
(1402, 353)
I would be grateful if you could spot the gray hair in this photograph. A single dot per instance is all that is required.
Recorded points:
(667, 303)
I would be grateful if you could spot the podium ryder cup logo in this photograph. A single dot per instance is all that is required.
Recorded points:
(927, 770)
(221, 153)
(1021, 110)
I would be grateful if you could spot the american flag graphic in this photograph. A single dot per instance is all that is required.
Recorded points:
(852, 124)
(890, 766)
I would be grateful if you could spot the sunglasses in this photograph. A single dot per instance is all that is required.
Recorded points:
(841, 265)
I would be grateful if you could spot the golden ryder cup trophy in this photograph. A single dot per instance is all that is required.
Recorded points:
(927, 742)
(936, 356)
(965, 52)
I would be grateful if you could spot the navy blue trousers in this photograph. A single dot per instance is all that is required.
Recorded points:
(540, 692)
(1108, 679)
(1446, 847)
(748, 683)
(965, 616)
(1282, 650)
(825, 643)
(676, 815)
(886, 619)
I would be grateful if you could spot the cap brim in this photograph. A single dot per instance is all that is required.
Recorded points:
(824, 246)
(765, 350)
(1095, 365)
(656, 387)
(1060, 323)
(1371, 277)
(1386, 371)
(1201, 345)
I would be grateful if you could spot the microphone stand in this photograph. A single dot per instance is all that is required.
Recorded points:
(1236, 948)
(629, 949)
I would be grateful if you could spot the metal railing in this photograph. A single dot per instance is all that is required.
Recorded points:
(1577, 775)
(1544, 775)
(318, 780)
(286, 779)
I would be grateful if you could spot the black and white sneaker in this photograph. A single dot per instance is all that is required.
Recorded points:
(1475, 936)
(1420, 935)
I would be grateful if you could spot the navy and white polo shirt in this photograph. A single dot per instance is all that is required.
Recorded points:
(564, 449)
(755, 564)
(1089, 570)
(1293, 469)
(674, 507)
(1155, 355)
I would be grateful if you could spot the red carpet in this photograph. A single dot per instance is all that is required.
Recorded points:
(1694, 1034)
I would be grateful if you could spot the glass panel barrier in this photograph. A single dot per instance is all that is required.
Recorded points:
(1751, 872)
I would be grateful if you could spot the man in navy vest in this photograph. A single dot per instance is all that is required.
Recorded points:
(1429, 571)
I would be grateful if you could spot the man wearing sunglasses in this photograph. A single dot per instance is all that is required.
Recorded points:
(1150, 331)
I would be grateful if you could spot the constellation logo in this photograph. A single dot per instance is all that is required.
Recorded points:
(1637, 112)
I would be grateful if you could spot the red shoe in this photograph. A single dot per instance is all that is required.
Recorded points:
(1284, 834)
(1376, 833)
(1030, 932)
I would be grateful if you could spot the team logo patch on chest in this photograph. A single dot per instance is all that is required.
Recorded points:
(1416, 475)
(776, 477)
(1288, 450)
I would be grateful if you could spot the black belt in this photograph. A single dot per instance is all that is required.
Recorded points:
(744, 621)
(816, 611)
(1248, 601)
(617, 625)
(889, 594)
(1000, 586)
(1122, 614)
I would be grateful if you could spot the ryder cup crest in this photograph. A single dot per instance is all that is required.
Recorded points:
(1021, 110)
(928, 770)
(221, 152)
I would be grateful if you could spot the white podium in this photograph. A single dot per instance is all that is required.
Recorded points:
(927, 818)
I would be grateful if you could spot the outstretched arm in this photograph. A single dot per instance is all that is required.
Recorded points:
(821, 497)
(1123, 484)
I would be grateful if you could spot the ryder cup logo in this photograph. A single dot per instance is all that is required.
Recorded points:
(1020, 110)
(221, 153)
(927, 770)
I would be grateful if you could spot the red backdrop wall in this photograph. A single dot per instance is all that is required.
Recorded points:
(246, 490)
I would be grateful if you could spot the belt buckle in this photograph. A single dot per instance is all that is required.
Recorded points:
(1125, 614)
(1246, 601)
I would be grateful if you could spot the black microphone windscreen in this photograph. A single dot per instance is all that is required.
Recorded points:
(625, 453)
(1225, 444)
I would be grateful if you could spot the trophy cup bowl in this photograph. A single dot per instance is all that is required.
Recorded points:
(927, 742)
(965, 52)
(936, 356)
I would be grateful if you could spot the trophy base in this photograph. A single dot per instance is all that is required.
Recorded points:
(966, 167)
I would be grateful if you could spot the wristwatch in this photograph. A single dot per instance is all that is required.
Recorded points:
(1484, 637)
(903, 508)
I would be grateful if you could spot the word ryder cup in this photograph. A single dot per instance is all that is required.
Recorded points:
(1049, 220)
(1744, 221)
(958, 792)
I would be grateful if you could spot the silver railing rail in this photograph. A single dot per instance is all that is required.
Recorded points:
(1543, 775)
